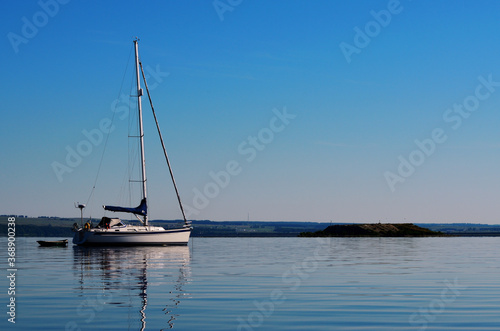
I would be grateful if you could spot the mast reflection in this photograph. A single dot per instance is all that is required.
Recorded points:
(121, 274)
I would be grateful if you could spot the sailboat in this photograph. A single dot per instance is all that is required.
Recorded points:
(112, 231)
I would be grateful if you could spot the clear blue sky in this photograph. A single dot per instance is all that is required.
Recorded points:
(335, 94)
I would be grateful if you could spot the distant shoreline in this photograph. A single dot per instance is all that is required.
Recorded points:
(61, 227)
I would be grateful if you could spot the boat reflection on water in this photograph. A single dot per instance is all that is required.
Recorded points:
(117, 280)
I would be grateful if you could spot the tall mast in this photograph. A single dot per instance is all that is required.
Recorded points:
(141, 132)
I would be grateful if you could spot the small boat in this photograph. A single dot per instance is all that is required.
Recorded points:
(56, 243)
(112, 231)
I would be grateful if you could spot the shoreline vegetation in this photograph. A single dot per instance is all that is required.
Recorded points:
(374, 230)
(61, 227)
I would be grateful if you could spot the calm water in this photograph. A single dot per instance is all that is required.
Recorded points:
(260, 284)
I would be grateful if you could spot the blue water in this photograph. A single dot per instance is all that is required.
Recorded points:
(259, 284)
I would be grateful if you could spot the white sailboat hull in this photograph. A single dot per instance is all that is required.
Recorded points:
(131, 235)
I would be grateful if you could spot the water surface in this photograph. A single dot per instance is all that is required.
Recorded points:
(260, 284)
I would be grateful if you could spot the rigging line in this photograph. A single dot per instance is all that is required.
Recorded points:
(109, 131)
(132, 148)
(163, 145)
(128, 174)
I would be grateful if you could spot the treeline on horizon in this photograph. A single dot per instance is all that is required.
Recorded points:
(29, 230)
(61, 227)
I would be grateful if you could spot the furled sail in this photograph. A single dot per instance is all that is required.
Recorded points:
(142, 209)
